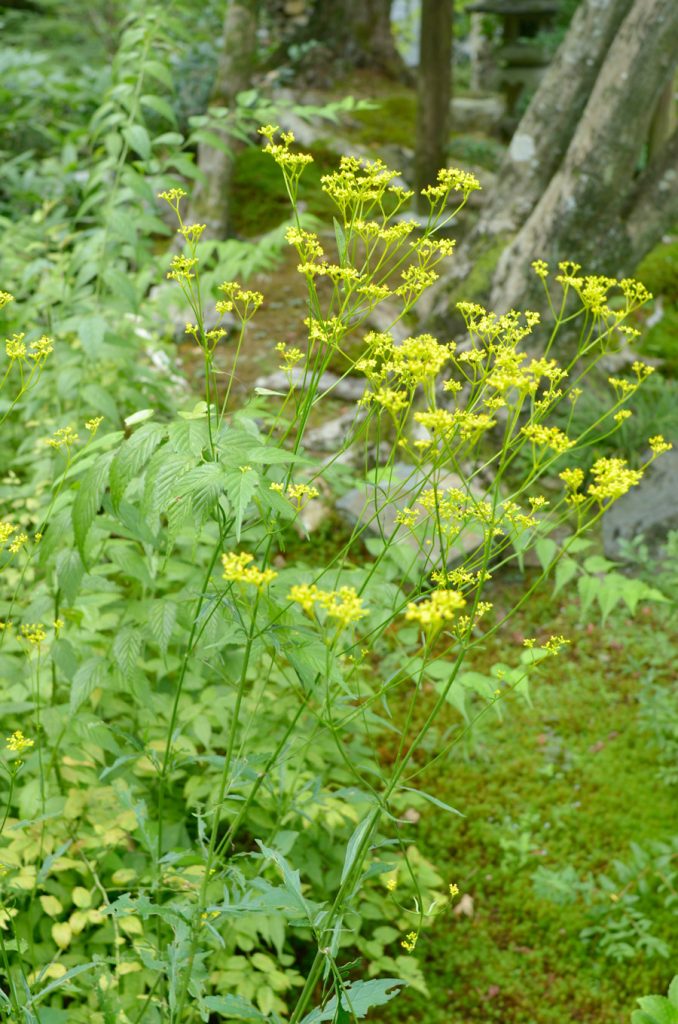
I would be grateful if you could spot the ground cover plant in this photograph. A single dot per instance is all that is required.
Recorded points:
(213, 738)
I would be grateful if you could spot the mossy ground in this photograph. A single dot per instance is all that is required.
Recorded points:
(570, 781)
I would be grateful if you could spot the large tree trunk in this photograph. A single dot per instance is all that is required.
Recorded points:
(539, 143)
(546, 129)
(581, 213)
(434, 78)
(234, 74)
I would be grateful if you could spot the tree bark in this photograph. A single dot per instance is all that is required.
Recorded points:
(653, 205)
(580, 214)
(543, 135)
(357, 33)
(234, 75)
(434, 93)
(539, 144)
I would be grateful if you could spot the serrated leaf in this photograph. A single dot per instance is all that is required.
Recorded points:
(89, 676)
(163, 477)
(126, 649)
(133, 454)
(240, 487)
(162, 617)
(201, 487)
(88, 500)
(69, 573)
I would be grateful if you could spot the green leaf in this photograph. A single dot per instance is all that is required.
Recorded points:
(341, 241)
(566, 569)
(202, 486)
(240, 488)
(162, 616)
(138, 139)
(357, 999)
(354, 842)
(88, 500)
(91, 674)
(163, 477)
(160, 106)
(160, 72)
(659, 1010)
(69, 573)
(133, 454)
(126, 649)
(546, 550)
(433, 800)
(234, 1007)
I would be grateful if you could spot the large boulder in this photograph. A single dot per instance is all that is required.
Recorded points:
(650, 508)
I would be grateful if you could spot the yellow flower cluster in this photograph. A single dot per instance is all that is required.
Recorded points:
(451, 179)
(343, 605)
(93, 425)
(34, 633)
(191, 232)
(292, 163)
(18, 743)
(239, 301)
(181, 268)
(548, 437)
(298, 494)
(554, 644)
(237, 569)
(658, 444)
(65, 437)
(442, 606)
(359, 185)
(291, 356)
(15, 348)
(612, 479)
(173, 196)
(409, 942)
(306, 243)
(5, 299)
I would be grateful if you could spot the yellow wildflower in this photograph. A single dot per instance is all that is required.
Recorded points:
(17, 742)
(442, 606)
(659, 445)
(410, 941)
(237, 569)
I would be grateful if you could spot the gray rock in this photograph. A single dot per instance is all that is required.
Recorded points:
(650, 508)
(482, 114)
(376, 508)
(348, 389)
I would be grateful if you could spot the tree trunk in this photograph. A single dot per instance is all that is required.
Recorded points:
(434, 80)
(234, 75)
(357, 33)
(579, 215)
(537, 147)
(653, 205)
(544, 133)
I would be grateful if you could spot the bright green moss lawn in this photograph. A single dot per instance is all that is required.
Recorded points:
(570, 781)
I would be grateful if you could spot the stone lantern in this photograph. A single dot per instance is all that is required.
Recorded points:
(518, 60)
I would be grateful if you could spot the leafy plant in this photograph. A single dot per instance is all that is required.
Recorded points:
(210, 816)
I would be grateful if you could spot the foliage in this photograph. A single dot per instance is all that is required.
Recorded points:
(620, 904)
(216, 737)
(658, 1009)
